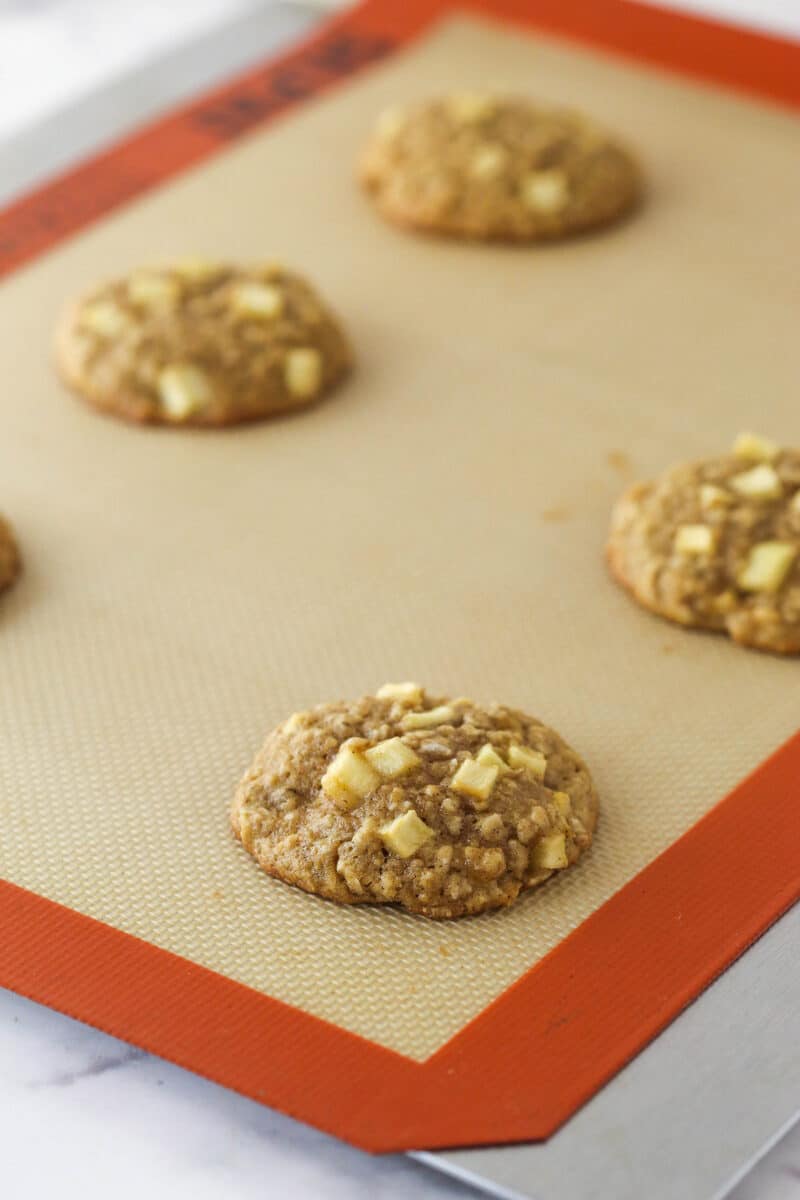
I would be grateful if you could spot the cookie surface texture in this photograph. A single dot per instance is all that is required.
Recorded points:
(475, 165)
(10, 561)
(199, 343)
(716, 544)
(441, 806)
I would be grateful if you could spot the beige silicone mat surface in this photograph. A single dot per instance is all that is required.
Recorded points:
(442, 518)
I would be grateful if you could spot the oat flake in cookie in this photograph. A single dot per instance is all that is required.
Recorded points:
(201, 343)
(481, 166)
(716, 544)
(10, 561)
(441, 806)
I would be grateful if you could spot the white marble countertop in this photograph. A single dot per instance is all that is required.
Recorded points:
(83, 1114)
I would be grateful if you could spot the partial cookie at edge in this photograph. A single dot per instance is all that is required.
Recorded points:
(716, 545)
(10, 559)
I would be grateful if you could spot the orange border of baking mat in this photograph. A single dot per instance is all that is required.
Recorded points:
(536, 1053)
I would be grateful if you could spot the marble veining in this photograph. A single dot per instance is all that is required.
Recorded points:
(83, 1114)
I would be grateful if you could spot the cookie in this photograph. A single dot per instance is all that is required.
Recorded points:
(442, 806)
(201, 343)
(10, 562)
(716, 544)
(476, 165)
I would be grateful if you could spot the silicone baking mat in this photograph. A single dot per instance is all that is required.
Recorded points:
(442, 518)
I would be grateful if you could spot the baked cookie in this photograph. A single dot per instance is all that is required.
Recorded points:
(481, 166)
(10, 561)
(441, 806)
(201, 343)
(716, 544)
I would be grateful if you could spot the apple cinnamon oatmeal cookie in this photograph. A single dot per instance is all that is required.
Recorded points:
(201, 343)
(442, 806)
(10, 561)
(477, 165)
(716, 544)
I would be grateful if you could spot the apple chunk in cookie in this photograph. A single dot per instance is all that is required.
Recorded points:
(716, 544)
(445, 807)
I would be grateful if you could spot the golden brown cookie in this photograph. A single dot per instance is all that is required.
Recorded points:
(442, 806)
(10, 561)
(201, 343)
(477, 165)
(716, 544)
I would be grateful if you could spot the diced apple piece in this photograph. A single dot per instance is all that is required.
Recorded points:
(474, 779)
(392, 758)
(751, 445)
(488, 161)
(767, 566)
(196, 269)
(105, 318)
(349, 778)
(694, 539)
(562, 803)
(404, 835)
(302, 371)
(712, 496)
(390, 122)
(153, 290)
(262, 301)
(487, 756)
(550, 853)
(406, 693)
(425, 720)
(759, 483)
(545, 191)
(469, 107)
(183, 389)
(532, 761)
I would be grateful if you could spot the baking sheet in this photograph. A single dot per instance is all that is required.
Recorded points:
(441, 518)
(690, 1115)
